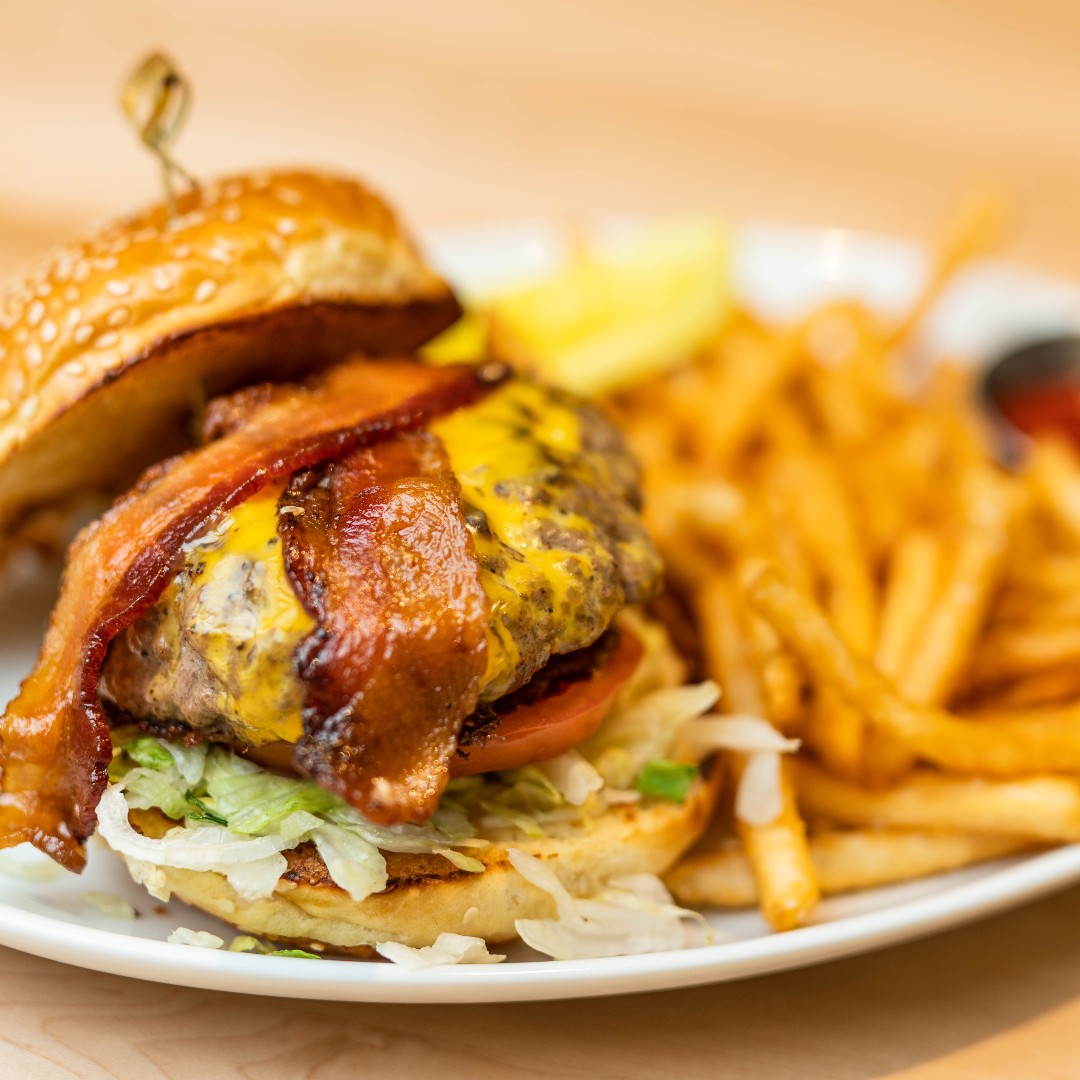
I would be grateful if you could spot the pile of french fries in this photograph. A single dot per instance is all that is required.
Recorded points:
(849, 560)
(853, 564)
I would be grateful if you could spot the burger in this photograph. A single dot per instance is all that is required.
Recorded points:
(359, 633)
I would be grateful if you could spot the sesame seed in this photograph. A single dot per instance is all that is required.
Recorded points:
(186, 221)
(71, 294)
(277, 245)
(163, 279)
(119, 316)
(5, 406)
(144, 236)
(182, 251)
(231, 214)
(220, 252)
(107, 264)
(22, 336)
(48, 331)
(34, 355)
(118, 288)
(83, 334)
(63, 266)
(289, 196)
(74, 369)
(286, 226)
(107, 340)
(28, 408)
(74, 317)
(205, 290)
(36, 313)
(233, 190)
(81, 271)
(44, 289)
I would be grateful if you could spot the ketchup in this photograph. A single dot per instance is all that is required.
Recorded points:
(1049, 407)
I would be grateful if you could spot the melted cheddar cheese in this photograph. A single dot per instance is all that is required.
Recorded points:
(555, 538)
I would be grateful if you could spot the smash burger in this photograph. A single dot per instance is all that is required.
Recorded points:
(356, 642)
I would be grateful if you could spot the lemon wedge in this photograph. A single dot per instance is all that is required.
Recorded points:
(607, 321)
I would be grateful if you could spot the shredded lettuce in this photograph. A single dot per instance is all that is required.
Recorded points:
(645, 730)
(201, 939)
(235, 818)
(354, 862)
(148, 752)
(256, 801)
(633, 914)
(161, 789)
(447, 949)
(742, 734)
(572, 777)
(760, 797)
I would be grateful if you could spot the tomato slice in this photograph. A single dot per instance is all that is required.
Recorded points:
(536, 732)
(547, 728)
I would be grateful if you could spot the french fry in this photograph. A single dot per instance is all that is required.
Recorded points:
(725, 646)
(912, 585)
(844, 861)
(1024, 609)
(977, 230)
(1013, 747)
(1045, 688)
(777, 851)
(828, 528)
(909, 596)
(779, 678)
(1056, 573)
(1054, 472)
(1038, 808)
(754, 379)
(705, 507)
(977, 568)
(1018, 652)
(780, 858)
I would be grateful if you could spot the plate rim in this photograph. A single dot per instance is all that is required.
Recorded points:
(1021, 880)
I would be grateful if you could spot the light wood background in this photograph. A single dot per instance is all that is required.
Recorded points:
(862, 113)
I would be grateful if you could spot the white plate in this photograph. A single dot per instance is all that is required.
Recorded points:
(781, 272)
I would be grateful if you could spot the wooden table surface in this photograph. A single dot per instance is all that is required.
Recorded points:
(842, 112)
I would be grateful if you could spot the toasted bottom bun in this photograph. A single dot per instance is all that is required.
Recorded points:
(427, 895)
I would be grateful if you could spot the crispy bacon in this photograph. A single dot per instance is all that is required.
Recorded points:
(54, 739)
(376, 547)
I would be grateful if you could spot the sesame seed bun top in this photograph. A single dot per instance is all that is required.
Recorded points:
(108, 344)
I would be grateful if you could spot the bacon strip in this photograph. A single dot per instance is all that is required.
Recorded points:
(54, 739)
(380, 556)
